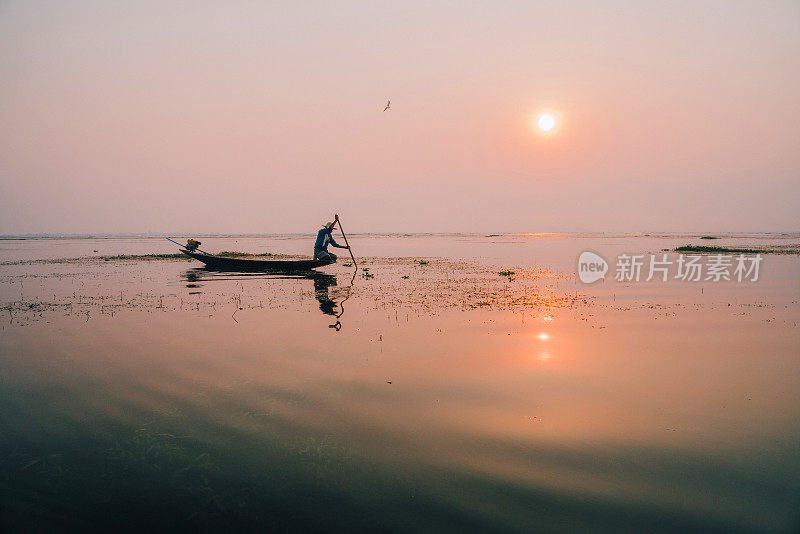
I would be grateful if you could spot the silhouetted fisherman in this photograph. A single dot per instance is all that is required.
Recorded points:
(325, 238)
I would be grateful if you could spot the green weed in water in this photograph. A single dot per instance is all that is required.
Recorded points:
(717, 250)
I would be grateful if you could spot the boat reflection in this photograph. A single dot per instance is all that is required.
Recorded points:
(330, 297)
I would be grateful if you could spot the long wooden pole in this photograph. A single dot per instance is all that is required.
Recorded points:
(184, 246)
(345, 241)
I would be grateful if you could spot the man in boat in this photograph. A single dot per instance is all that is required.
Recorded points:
(325, 238)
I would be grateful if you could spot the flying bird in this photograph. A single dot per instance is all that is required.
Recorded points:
(388, 105)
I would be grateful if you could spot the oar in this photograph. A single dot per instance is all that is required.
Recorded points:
(345, 241)
(184, 246)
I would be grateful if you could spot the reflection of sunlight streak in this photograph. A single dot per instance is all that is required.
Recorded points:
(547, 318)
(544, 356)
(543, 336)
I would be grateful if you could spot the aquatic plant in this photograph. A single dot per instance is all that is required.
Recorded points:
(234, 254)
(143, 257)
(718, 250)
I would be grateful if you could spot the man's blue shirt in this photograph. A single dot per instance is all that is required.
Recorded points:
(324, 238)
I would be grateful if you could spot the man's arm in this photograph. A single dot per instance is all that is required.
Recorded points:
(335, 244)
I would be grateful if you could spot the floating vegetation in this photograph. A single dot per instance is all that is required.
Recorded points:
(793, 248)
(506, 273)
(717, 250)
(118, 257)
(234, 254)
(144, 257)
(442, 284)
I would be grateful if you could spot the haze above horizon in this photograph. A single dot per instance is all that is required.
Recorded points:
(149, 117)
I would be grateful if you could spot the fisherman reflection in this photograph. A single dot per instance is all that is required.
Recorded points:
(331, 302)
(330, 296)
(322, 285)
(192, 279)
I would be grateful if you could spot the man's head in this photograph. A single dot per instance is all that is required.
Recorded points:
(330, 224)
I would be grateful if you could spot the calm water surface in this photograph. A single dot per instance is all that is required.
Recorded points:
(425, 393)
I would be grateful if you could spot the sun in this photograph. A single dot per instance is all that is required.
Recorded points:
(546, 122)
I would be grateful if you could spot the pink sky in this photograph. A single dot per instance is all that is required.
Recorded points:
(258, 117)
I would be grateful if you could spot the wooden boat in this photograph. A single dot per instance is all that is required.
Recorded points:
(218, 263)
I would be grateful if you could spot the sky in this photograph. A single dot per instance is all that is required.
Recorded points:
(266, 117)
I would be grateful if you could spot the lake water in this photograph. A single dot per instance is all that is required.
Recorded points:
(453, 383)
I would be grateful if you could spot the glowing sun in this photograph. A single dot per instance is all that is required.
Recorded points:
(546, 122)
